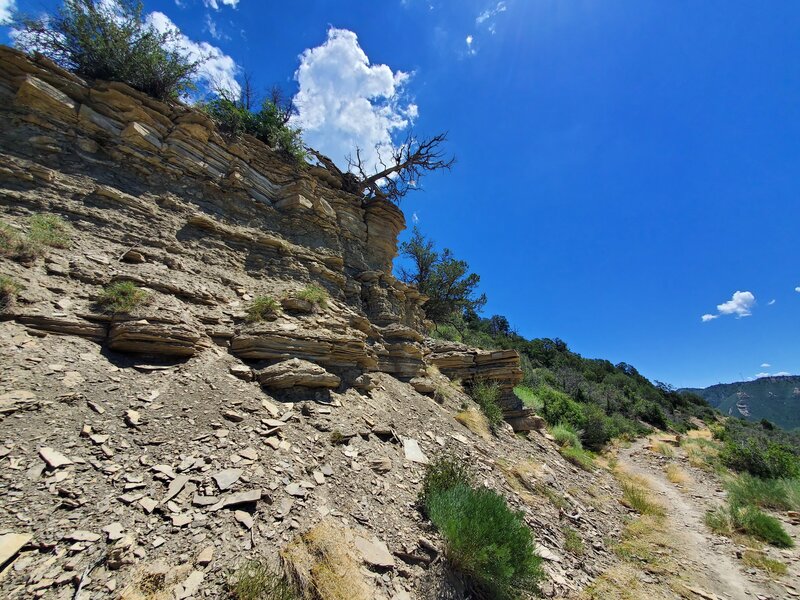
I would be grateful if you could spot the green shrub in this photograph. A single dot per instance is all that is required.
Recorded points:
(578, 457)
(487, 394)
(122, 297)
(760, 457)
(752, 521)
(598, 429)
(255, 580)
(269, 124)
(50, 230)
(485, 541)
(441, 474)
(565, 435)
(111, 40)
(779, 494)
(9, 289)
(262, 308)
(560, 408)
(529, 398)
(651, 413)
(314, 294)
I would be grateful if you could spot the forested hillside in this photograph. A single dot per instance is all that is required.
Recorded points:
(776, 399)
(602, 399)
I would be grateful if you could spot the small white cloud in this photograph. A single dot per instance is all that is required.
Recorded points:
(214, 4)
(740, 305)
(491, 12)
(344, 102)
(765, 365)
(7, 8)
(759, 375)
(781, 374)
(797, 289)
(771, 302)
(470, 47)
(415, 218)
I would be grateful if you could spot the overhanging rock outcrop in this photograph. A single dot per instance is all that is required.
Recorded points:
(205, 223)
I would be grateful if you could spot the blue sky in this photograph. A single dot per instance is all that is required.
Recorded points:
(624, 167)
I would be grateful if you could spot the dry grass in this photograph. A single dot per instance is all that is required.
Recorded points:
(476, 422)
(646, 547)
(154, 582)
(676, 475)
(701, 450)
(663, 449)
(320, 565)
(759, 560)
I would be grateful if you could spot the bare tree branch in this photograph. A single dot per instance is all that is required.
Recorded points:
(400, 171)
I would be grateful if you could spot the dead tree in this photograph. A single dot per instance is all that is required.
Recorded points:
(400, 172)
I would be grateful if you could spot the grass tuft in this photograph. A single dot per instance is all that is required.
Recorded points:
(663, 449)
(676, 475)
(487, 394)
(122, 297)
(573, 542)
(314, 294)
(50, 230)
(255, 580)
(778, 494)
(262, 308)
(475, 421)
(9, 290)
(637, 497)
(758, 560)
(566, 436)
(579, 457)
(748, 520)
(17, 247)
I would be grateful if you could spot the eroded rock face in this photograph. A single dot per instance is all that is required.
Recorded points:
(470, 365)
(296, 373)
(205, 224)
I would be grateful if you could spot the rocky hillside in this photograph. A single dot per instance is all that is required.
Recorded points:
(153, 453)
(776, 399)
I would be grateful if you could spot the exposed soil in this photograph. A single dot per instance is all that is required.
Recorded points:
(710, 561)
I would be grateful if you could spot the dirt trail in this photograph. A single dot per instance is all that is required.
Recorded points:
(709, 563)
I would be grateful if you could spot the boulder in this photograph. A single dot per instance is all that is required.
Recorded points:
(296, 373)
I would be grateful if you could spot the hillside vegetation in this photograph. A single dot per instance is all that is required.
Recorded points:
(776, 399)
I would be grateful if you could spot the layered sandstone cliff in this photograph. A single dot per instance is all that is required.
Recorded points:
(158, 196)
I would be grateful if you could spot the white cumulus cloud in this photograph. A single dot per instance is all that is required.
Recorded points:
(797, 289)
(765, 365)
(7, 8)
(218, 71)
(214, 4)
(740, 305)
(344, 102)
(760, 375)
(781, 374)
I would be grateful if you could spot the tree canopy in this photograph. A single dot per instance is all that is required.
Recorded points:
(446, 281)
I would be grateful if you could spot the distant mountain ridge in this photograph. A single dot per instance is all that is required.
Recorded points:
(774, 398)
